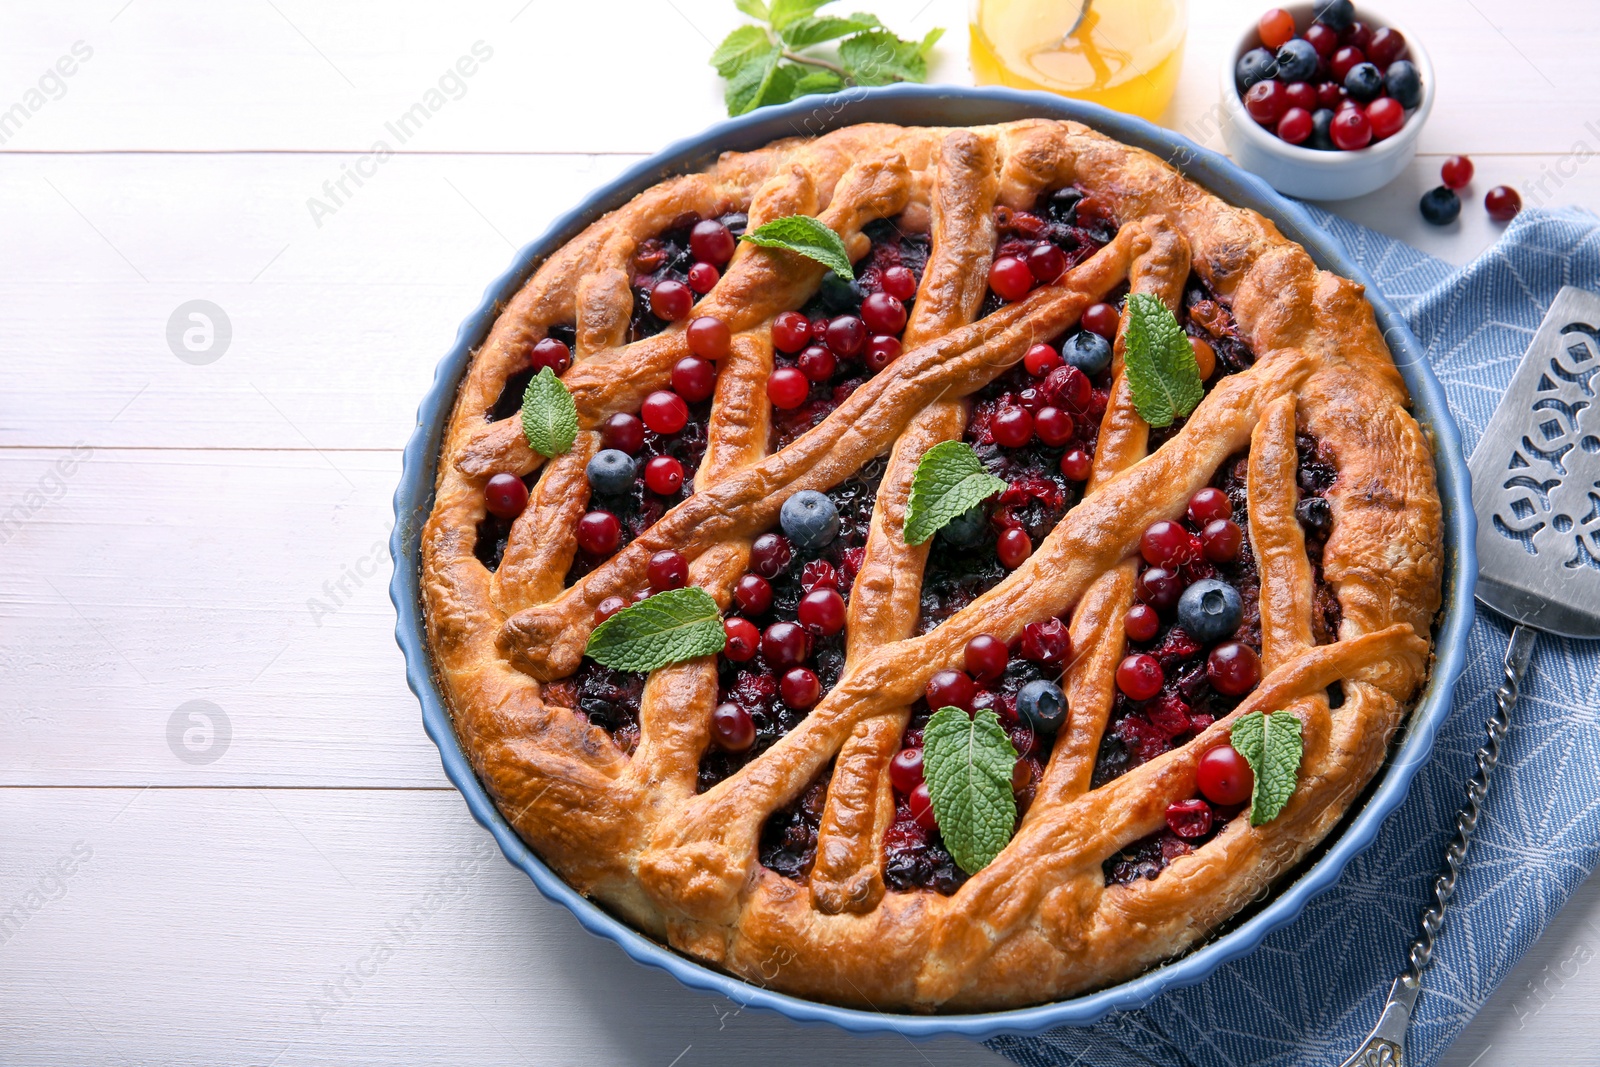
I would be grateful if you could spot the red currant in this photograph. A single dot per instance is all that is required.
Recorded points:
(1158, 587)
(787, 388)
(1046, 262)
(847, 335)
(1276, 28)
(1502, 202)
(900, 283)
(711, 242)
(1266, 101)
(1013, 547)
(1343, 60)
(1303, 95)
(950, 689)
(1166, 544)
(1358, 35)
(785, 644)
(549, 352)
(1329, 94)
(754, 594)
(986, 657)
(921, 804)
(1054, 426)
(664, 412)
(800, 688)
(1102, 319)
(819, 330)
(709, 338)
(1325, 39)
(1010, 278)
(1456, 172)
(821, 612)
(624, 432)
(505, 496)
(703, 278)
(667, 570)
(1208, 505)
(743, 639)
(1012, 427)
(607, 608)
(663, 475)
(1295, 126)
(1141, 622)
(671, 301)
(791, 331)
(1076, 465)
(693, 378)
(1385, 47)
(1041, 360)
(882, 350)
(1350, 129)
(1385, 116)
(1233, 669)
(1221, 541)
(1189, 819)
(882, 313)
(905, 769)
(818, 574)
(817, 363)
(770, 555)
(732, 728)
(599, 533)
(1139, 676)
(1224, 776)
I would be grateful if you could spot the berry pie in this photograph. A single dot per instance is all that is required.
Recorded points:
(934, 569)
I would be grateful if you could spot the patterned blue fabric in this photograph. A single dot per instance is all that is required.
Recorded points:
(1314, 988)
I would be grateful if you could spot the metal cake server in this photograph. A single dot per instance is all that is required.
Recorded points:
(1536, 491)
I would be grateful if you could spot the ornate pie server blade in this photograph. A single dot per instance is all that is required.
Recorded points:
(1536, 489)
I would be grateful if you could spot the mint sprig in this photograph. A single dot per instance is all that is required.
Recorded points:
(669, 627)
(549, 417)
(1159, 361)
(968, 761)
(805, 236)
(1272, 745)
(950, 479)
(774, 61)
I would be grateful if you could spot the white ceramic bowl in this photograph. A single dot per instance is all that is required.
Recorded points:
(1307, 172)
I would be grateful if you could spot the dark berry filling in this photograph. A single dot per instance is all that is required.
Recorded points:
(667, 257)
(495, 531)
(609, 698)
(789, 836)
(1066, 220)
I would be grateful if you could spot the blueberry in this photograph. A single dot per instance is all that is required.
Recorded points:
(1334, 14)
(1315, 514)
(838, 295)
(1363, 83)
(1256, 65)
(1209, 610)
(1297, 60)
(1089, 352)
(1404, 83)
(966, 529)
(1440, 206)
(610, 471)
(1064, 204)
(1321, 130)
(810, 520)
(1043, 706)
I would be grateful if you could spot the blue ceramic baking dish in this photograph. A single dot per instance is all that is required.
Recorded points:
(949, 106)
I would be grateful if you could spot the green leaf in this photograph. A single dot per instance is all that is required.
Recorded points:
(751, 81)
(949, 479)
(754, 8)
(781, 87)
(930, 39)
(878, 57)
(740, 47)
(784, 12)
(669, 627)
(805, 236)
(1272, 745)
(818, 81)
(1159, 361)
(815, 29)
(968, 762)
(549, 417)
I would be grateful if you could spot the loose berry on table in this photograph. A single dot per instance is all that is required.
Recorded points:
(504, 496)
(1456, 172)
(1440, 206)
(1503, 203)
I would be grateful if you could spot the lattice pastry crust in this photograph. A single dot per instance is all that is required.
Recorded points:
(1040, 922)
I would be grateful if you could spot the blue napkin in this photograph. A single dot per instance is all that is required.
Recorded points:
(1314, 988)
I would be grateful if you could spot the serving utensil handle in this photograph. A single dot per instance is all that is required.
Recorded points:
(1385, 1046)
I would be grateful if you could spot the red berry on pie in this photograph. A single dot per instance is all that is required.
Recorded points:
(709, 338)
(1233, 669)
(1139, 676)
(900, 283)
(822, 612)
(754, 594)
(505, 496)
(1224, 777)
(949, 689)
(1208, 505)
(800, 688)
(883, 313)
(921, 805)
(785, 644)
(711, 242)
(1158, 587)
(732, 729)
(1041, 360)
(1077, 465)
(743, 639)
(693, 378)
(847, 335)
(703, 278)
(599, 533)
(791, 331)
(1165, 544)
(1013, 546)
(607, 608)
(1103, 319)
(787, 388)
(664, 412)
(1054, 426)
(817, 363)
(552, 353)
(663, 475)
(1189, 819)
(882, 350)
(1012, 427)
(1010, 278)
(986, 657)
(905, 770)
(671, 301)
(667, 570)
(1046, 262)
(623, 432)
(1221, 541)
(770, 554)
(1141, 622)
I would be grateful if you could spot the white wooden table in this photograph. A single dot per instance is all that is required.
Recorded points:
(300, 884)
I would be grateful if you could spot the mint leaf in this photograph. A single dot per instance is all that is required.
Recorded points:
(549, 417)
(754, 8)
(1272, 745)
(815, 29)
(748, 84)
(968, 762)
(818, 81)
(878, 57)
(784, 12)
(669, 627)
(743, 45)
(1159, 362)
(949, 479)
(805, 236)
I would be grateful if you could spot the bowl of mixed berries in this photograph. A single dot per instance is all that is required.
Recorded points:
(1325, 101)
